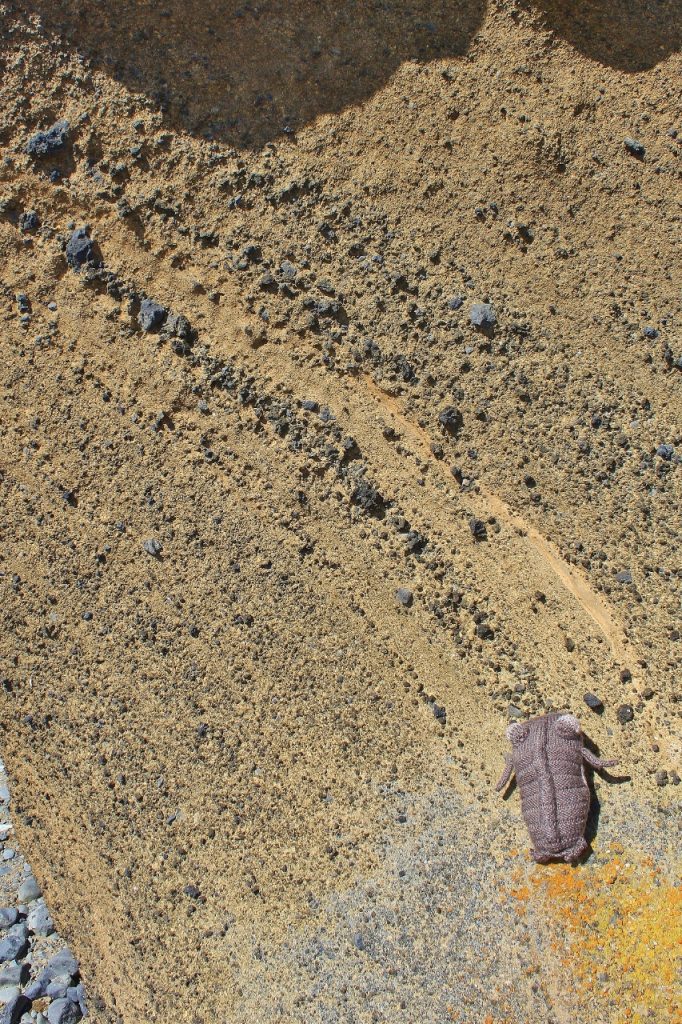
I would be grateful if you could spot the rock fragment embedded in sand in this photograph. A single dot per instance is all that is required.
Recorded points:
(478, 529)
(483, 315)
(404, 597)
(450, 419)
(624, 576)
(48, 142)
(81, 251)
(151, 316)
(634, 148)
(153, 547)
(593, 701)
(625, 713)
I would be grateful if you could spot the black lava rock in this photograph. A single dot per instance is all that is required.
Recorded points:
(626, 713)
(478, 529)
(484, 632)
(151, 315)
(634, 148)
(593, 702)
(45, 143)
(82, 251)
(450, 419)
(483, 315)
(368, 498)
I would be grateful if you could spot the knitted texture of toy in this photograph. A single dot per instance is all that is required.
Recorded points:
(548, 758)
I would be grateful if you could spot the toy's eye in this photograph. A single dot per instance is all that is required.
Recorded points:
(516, 733)
(568, 725)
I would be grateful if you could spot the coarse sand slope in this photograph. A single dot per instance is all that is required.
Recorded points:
(256, 666)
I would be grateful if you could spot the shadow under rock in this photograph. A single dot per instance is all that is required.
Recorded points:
(243, 72)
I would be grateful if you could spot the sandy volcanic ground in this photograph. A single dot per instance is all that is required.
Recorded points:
(256, 667)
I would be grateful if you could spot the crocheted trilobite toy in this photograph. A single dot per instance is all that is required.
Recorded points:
(548, 758)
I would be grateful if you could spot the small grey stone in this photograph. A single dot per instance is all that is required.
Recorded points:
(14, 946)
(404, 597)
(151, 315)
(5, 797)
(48, 142)
(624, 576)
(8, 917)
(8, 993)
(484, 632)
(63, 1011)
(593, 702)
(634, 147)
(58, 987)
(483, 315)
(8, 853)
(13, 973)
(63, 962)
(39, 920)
(665, 451)
(29, 890)
(661, 778)
(514, 712)
(152, 547)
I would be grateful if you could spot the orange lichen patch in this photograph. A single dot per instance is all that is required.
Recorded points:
(617, 931)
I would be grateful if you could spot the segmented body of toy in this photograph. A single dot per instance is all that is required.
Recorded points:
(548, 758)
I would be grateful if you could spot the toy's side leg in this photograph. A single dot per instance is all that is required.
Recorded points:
(595, 762)
(506, 774)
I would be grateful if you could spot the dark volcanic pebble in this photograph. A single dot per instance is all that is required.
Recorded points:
(625, 713)
(478, 529)
(81, 250)
(483, 315)
(661, 778)
(593, 702)
(151, 315)
(45, 143)
(484, 631)
(450, 419)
